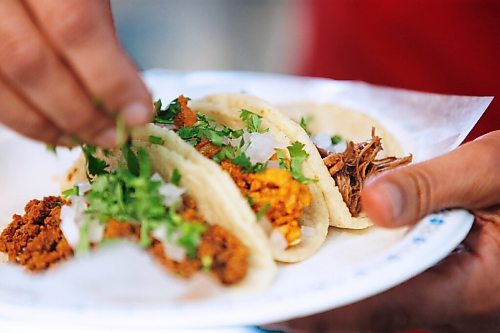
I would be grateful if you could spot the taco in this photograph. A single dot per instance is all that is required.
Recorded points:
(346, 153)
(237, 134)
(173, 207)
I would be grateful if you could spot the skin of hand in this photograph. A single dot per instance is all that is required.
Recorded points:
(64, 75)
(462, 292)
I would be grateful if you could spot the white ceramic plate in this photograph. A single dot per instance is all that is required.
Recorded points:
(351, 265)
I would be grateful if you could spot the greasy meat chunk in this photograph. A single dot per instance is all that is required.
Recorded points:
(35, 239)
(207, 148)
(286, 198)
(228, 255)
(186, 117)
(351, 168)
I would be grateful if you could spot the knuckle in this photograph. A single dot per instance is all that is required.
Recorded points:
(25, 59)
(73, 21)
(419, 190)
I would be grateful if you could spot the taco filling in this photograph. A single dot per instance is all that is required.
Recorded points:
(129, 203)
(351, 164)
(268, 174)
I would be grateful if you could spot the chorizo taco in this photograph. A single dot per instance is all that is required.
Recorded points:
(271, 172)
(172, 207)
(345, 153)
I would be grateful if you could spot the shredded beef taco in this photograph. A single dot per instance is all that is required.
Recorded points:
(348, 147)
(237, 134)
(172, 207)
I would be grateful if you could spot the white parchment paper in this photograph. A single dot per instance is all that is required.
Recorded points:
(425, 124)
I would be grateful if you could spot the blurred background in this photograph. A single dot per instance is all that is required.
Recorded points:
(256, 35)
(445, 46)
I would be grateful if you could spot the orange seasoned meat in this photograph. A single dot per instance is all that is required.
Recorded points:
(35, 239)
(186, 117)
(285, 197)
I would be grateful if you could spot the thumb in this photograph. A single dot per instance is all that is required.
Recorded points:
(467, 177)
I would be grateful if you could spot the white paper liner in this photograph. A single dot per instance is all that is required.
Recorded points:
(426, 125)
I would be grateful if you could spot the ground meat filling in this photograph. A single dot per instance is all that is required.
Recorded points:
(285, 197)
(351, 168)
(228, 255)
(35, 239)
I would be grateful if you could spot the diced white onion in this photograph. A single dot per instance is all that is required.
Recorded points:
(83, 187)
(174, 251)
(261, 147)
(278, 241)
(72, 217)
(160, 233)
(171, 193)
(156, 176)
(265, 225)
(168, 126)
(322, 140)
(96, 231)
(340, 147)
(307, 232)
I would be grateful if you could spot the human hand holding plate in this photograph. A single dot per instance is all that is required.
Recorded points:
(461, 292)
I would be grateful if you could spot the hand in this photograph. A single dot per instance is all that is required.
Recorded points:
(63, 73)
(460, 294)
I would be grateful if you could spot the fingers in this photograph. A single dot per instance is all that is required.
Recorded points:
(21, 117)
(433, 299)
(466, 177)
(30, 66)
(81, 30)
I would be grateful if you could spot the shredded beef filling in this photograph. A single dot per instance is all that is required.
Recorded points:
(351, 168)
(35, 239)
(36, 242)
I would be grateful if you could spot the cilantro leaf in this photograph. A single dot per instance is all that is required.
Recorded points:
(336, 139)
(95, 165)
(156, 140)
(166, 116)
(252, 121)
(131, 159)
(51, 148)
(297, 157)
(75, 190)
(176, 177)
(304, 122)
(262, 211)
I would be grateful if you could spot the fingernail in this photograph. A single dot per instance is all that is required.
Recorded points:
(107, 139)
(136, 114)
(393, 195)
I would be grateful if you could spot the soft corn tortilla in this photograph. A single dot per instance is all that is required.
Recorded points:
(226, 109)
(217, 205)
(350, 125)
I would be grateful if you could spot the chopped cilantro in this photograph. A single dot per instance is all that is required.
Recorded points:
(51, 148)
(166, 116)
(297, 157)
(304, 122)
(130, 195)
(131, 159)
(336, 139)
(206, 263)
(156, 140)
(176, 177)
(75, 190)
(121, 130)
(260, 214)
(250, 200)
(95, 165)
(252, 121)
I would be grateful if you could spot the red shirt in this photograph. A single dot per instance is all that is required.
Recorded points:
(441, 46)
